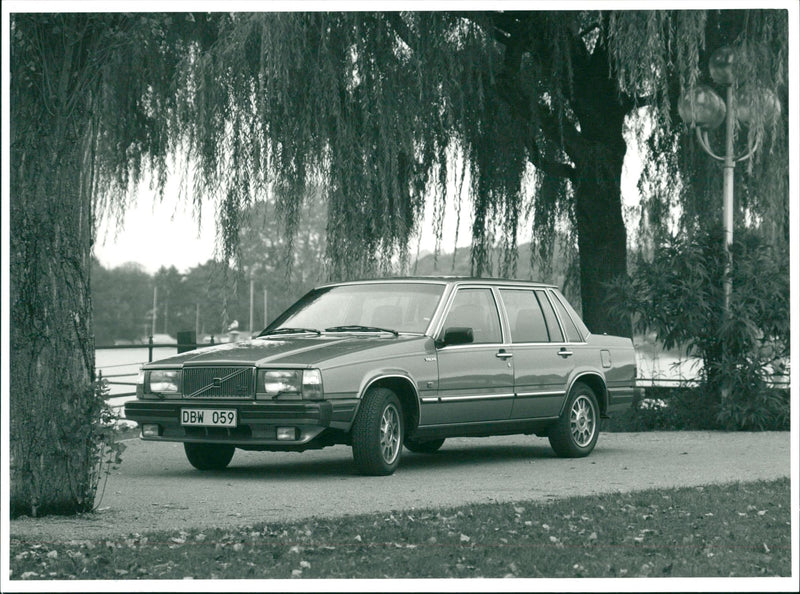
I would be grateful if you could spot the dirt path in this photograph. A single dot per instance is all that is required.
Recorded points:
(155, 488)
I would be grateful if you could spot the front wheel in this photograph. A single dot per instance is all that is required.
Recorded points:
(378, 433)
(575, 433)
(208, 456)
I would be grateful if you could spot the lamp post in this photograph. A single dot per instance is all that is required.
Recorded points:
(703, 109)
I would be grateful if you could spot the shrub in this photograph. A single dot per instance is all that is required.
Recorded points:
(679, 296)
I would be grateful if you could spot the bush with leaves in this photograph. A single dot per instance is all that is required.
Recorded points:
(679, 295)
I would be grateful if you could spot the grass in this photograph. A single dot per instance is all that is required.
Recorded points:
(734, 530)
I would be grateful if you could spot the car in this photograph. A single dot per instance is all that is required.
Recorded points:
(383, 364)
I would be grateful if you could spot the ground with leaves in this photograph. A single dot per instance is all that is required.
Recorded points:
(740, 529)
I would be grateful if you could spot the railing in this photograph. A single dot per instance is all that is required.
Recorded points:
(119, 375)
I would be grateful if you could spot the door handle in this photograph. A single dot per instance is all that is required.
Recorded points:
(565, 353)
(503, 354)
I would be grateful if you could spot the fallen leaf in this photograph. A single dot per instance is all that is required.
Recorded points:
(464, 538)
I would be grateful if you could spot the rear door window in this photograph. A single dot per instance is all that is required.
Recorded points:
(525, 316)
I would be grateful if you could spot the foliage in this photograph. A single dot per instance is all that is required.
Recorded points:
(121, 299)
(679, 296)
(681, 185)
(733, 530)
(108, 447)
(666, 409)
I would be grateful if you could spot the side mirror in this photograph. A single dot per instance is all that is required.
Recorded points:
(457, 335)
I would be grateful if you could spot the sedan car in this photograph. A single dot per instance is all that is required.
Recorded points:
(383, 364)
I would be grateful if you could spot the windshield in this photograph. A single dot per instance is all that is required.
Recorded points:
(403, 307)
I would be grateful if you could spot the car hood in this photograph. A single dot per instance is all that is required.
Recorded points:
(305, 350)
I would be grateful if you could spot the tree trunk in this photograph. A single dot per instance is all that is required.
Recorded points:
(602, 243)
(598, 156)
(52, 355)
(54, 408)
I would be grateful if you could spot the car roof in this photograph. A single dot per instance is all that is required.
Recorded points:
(446, 279)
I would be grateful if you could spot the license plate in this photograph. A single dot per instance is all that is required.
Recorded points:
(209, 417)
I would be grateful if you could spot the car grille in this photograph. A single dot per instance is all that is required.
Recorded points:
(218, 382)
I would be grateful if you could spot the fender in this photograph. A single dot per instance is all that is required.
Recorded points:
(577, 376)
(368, 381)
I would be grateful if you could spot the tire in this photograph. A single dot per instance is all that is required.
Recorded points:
(378, 433)
(424, 447)
(208, 456)
(575, 433)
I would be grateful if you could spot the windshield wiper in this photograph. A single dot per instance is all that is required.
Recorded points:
(291, 331)
(356, 328)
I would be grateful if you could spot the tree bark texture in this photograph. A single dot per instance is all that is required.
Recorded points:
(53, 404)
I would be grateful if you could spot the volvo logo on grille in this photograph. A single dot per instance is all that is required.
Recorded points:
(203, 382)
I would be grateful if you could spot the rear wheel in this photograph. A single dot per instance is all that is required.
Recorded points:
(209, 456)
(378, 433)
(424, 447)
(575, 434)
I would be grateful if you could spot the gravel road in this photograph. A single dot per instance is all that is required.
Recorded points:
(155, 488)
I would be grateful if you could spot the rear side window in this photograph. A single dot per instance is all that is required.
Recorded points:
(550, 318)
(573, 335)
(525, 316)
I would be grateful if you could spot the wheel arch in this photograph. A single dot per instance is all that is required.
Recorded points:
(598, 385)
(403, 386)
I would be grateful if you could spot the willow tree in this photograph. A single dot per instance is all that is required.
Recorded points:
(82, 132)
(380, 110)
(385, 108)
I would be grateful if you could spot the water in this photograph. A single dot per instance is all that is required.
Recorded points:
(125, 363)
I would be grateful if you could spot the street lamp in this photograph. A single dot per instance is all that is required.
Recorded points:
(703, 109)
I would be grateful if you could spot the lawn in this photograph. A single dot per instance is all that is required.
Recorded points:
(734, 530)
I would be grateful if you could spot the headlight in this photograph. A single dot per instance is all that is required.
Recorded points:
(290, 384)
(281, 383)
(162, 381)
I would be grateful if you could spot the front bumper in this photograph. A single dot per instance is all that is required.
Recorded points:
(257, 422)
